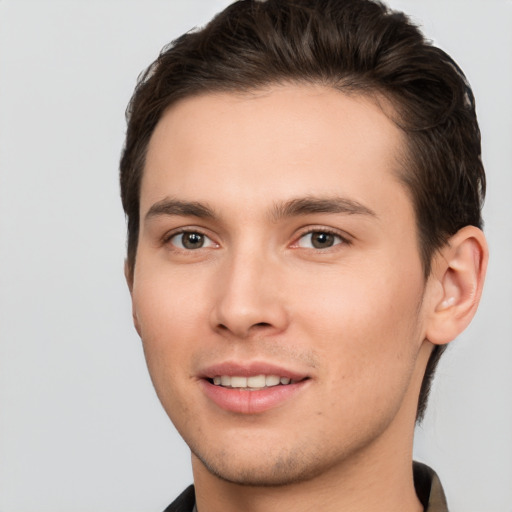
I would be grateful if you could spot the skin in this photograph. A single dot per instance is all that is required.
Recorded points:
(353, 316)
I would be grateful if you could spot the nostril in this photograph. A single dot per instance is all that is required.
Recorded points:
(242, 331)
(255, 327)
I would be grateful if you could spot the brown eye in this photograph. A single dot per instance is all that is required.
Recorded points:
(322, 240)
(319, 240)
(190, 240)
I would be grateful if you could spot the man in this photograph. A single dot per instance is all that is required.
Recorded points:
(303, 185)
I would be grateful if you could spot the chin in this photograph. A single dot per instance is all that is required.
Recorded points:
(269, 471)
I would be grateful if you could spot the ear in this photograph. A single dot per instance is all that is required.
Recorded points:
(128, 275)
(455, 284)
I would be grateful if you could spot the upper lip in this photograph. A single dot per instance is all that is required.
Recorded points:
(247, 369)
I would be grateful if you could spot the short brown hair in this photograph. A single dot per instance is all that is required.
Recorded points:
(356, 46)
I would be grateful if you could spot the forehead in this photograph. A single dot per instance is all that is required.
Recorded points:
(292, 140)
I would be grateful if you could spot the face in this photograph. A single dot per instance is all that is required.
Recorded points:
(278, 285)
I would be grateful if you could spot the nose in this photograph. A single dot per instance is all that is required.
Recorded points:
(249, 299)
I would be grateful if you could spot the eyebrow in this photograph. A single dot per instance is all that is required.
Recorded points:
(292, 208)
(183, 208)
(312, 205)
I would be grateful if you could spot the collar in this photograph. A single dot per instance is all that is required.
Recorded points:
(428, 488)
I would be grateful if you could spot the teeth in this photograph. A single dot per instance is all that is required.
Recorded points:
(258, 381)
(272, 380)
(253, 382)
(238, 382)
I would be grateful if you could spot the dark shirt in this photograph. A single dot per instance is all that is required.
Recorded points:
(427, 484)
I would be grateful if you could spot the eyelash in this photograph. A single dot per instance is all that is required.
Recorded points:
(168, 237)
(342, 240)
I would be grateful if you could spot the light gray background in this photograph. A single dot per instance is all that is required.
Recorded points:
(80, 426)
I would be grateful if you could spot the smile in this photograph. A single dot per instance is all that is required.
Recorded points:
(251, 387)
(251, 383)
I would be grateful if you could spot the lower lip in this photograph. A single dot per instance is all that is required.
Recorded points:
(250, 402)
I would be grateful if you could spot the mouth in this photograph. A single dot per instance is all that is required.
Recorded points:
(251, 383)
(252, 388)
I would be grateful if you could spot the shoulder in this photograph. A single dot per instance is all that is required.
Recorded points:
(429, 489)
(184, 502)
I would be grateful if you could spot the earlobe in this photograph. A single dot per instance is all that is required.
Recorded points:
(457, 278)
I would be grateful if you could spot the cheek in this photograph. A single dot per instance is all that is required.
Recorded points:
(169, 325)
(366, 330)
(167, 306)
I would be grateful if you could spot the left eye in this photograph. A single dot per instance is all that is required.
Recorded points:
(190, 240)
(319, 240)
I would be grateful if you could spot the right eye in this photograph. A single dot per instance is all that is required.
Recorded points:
(190, 240)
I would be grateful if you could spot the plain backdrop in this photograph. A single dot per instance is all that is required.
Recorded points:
(80, 426)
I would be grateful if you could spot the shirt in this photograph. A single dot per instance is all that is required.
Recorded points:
(426, 482)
